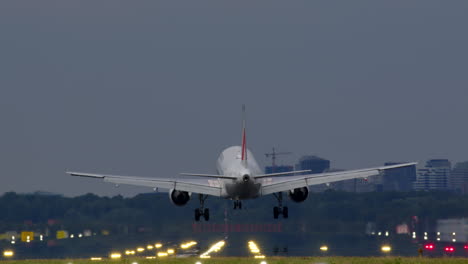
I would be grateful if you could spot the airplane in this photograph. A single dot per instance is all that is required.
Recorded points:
(238, 178)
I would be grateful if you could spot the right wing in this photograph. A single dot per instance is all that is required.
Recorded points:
(275, 185)
(209, 187)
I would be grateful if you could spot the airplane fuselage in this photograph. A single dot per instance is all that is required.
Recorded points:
(230, 163)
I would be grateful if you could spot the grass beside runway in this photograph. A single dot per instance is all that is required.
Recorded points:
(273, 260)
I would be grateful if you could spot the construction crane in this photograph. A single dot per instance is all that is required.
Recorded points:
(273, 155)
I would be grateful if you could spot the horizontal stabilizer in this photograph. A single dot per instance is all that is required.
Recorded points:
(281, 174)
(81, 174)
(208, 175)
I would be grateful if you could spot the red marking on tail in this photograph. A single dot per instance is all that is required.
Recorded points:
(244, 150)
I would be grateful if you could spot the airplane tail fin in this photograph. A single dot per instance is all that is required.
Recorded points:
(244, 140)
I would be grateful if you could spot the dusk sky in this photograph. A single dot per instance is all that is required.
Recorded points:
(154, 88)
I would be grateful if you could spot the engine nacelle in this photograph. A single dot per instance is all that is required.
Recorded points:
(179, 198)
(299, 194)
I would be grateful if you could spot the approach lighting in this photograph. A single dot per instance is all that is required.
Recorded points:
(253, 247)
(263, 262)
(140, 249)
(95, 258)
(158, 245)
(8, 253)
(188, 245)
(115, 255)
(214, 248)
(170, 251)
(324, 248)
(162, 254)
(149, 247)
(259, 256)
(386, 248)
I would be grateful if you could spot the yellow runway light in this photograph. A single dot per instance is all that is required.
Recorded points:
(158, 245)
(140, 249)
(170, 251)
(324, 248)
(115, 255)
(259, 256)
(95, 258)
(386, 248)
(162, 254)
(8, 253)
(149, 247)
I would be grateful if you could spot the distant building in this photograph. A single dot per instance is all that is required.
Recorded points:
(435, 176)
(356, 185)
(452, 230)
(398, 179)
(458, 179)
(314, 164)
(277, 169)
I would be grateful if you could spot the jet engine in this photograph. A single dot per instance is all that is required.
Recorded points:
(299, 194)
(179, 198)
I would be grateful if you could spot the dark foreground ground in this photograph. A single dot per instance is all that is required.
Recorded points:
(276, 260)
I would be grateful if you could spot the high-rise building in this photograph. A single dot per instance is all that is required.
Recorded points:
(458, 179)
(434, 176)
(278, 169)
(398, 179)
(314, 164)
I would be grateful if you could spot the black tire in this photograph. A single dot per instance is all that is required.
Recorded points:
(240, 205)
(206, 214)
(197, 215)
(285, 212)
(275, 212)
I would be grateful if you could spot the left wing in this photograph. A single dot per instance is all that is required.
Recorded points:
(292, 182)
(188, 185)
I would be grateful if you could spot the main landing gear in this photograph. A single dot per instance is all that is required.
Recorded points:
(237, 204)
(277, 210)
(202, 211)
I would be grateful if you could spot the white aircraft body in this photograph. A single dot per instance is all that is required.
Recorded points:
(239, 178)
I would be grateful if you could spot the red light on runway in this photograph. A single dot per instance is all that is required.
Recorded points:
(449, 249)
(429, 247)
(466, 247)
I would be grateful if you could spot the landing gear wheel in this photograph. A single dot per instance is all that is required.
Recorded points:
(285, 212)
(206, 214)
(197, 215)
(275, 212)
(237, 204)
(202, 211)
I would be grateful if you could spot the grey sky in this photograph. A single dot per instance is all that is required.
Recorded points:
(154, 88)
